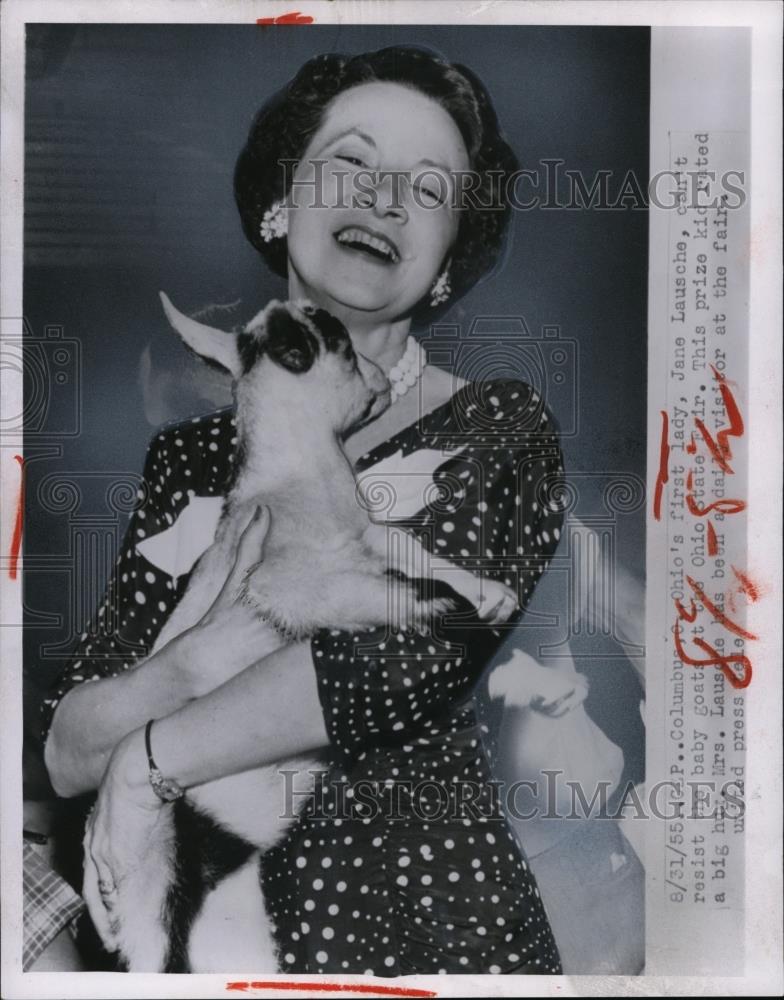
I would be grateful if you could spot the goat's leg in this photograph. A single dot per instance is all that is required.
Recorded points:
(138, 916)
(494, 601)
(233, 931)
(307, 598)
(259, 804)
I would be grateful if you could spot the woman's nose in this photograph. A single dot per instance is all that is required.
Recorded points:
(389, 196)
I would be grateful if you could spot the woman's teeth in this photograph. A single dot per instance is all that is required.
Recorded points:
(358, 239)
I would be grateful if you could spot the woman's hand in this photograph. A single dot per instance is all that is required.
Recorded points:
(230, 636)
(128, 823)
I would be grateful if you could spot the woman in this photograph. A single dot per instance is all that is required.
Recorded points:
(369, 224)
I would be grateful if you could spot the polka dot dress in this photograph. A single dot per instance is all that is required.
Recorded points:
(403, 861)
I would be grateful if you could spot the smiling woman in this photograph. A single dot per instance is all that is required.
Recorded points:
(356, 132)
(348, 187)
(375, 257)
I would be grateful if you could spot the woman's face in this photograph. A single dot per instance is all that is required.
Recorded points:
(371, 263)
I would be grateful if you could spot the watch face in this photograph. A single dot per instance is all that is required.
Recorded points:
(165, 788)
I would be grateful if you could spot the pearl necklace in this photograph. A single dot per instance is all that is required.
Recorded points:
(407, 372)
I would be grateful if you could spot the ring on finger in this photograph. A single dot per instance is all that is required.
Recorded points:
(106, 887)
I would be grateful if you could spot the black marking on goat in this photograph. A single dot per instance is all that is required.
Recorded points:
(205, 853)
(289, 342)
(250, 347)
(333, 332)
(428, 589)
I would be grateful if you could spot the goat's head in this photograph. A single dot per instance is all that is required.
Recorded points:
(294, 355)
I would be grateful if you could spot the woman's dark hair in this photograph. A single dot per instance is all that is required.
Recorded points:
(283, 128)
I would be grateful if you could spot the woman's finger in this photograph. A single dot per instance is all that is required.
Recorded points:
(96, 907)
(250, 548)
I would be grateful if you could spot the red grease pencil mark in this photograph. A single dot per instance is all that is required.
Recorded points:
(713, 545)
(16, 540)
(749, 588)
(379, 991)
(720, 446)
(293, 17)
(719, 615)
(715, 659)
(664, 461)
(723, 506)
(686, 616)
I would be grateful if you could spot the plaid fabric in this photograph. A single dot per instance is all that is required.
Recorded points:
(50, 904)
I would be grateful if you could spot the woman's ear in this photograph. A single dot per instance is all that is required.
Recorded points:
(210, 344)
(289, 342)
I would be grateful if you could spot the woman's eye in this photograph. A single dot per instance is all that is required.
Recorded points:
(429, 196)
(353, 160)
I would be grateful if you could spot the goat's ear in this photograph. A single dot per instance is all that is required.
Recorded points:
(289, 342)
(209, 343)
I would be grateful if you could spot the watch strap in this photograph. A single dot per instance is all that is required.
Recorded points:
(167, 789)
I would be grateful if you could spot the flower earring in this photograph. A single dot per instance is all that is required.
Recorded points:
(274, 222)
(440, 289)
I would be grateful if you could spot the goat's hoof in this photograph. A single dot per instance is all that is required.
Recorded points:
(497, 603)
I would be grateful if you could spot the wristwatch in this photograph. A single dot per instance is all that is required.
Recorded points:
(167, 789)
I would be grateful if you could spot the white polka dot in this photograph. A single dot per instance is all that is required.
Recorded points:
(140, 598)
(328, 933)
(321, 957)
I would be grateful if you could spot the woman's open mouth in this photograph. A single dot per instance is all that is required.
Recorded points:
(367, 242)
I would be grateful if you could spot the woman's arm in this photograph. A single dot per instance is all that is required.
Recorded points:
(93, 717)
(267, 713)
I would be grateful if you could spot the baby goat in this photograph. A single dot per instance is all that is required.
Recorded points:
(194, 903)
